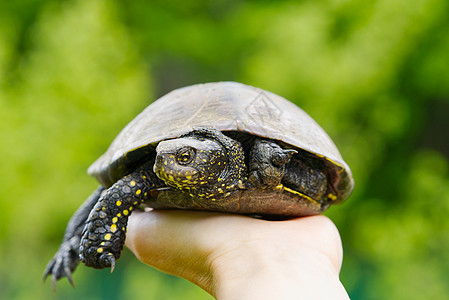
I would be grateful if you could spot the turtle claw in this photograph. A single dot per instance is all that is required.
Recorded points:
(62, 265)
(53, 282)
(112, 262)
(68, 274)
(57, 272)
(108, 260)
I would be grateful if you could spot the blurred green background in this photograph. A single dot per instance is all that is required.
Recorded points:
(374, 74)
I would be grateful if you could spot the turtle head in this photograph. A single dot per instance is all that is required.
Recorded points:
(203, 163)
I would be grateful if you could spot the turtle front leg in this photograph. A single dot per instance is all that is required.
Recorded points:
(105, 230)
(267, 162)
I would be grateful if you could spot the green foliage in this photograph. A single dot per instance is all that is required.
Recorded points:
(374, 74)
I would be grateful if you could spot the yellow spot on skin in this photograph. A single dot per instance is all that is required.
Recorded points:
(138, 192)
(188, 177)
(131, 208)
(332, 197)
(100, 250)
(219, 179)
(102, 243)
(119, 215)
(118, 203)
(144, 194)
(113, 228)
(114, 220)
(125, 212)
(132, 183)
(107, 237)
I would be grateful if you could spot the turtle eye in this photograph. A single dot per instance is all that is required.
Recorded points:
(185, 155)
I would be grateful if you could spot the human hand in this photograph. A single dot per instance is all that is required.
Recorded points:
(239, 257)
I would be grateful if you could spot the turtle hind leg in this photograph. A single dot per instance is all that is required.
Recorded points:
(267, 164)
(65, 261)
(105, 231)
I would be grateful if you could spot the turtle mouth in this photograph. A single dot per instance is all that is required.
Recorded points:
(160, 189)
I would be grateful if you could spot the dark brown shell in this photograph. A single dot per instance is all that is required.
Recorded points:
(225, 106)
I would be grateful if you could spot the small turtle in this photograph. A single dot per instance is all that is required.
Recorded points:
(224, 147)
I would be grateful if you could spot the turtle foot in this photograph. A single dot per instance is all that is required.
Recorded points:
(98, 261)
(63, 263)
(101, 248)
(267, 164)
(104, 234)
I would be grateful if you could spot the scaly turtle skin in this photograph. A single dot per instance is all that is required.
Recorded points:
(195, 164)
(207, 147)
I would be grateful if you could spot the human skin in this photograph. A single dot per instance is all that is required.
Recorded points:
(239, 257)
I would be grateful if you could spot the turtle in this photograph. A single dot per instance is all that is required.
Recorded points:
(220, 146)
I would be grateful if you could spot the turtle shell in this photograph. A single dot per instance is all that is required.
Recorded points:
(226, 106)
